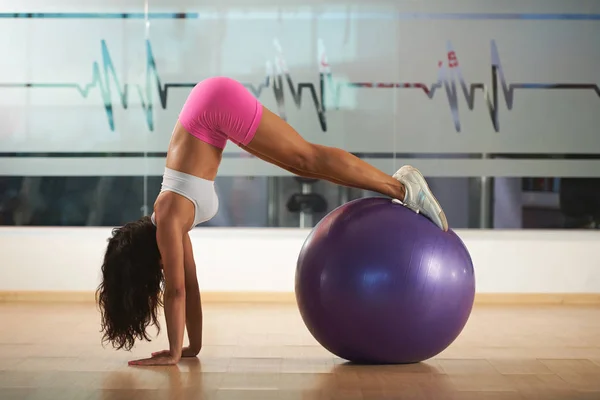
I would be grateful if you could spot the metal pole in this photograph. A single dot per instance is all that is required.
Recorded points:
(272, 202)
(306, 218)
(343, 195)
(486, 202)
(484, 208)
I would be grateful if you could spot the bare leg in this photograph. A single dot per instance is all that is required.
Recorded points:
(277, 142)
(303, 174)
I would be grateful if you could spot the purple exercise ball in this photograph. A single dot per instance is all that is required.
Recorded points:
(378, 283)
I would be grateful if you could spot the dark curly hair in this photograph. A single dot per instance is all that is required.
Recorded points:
(132, 283)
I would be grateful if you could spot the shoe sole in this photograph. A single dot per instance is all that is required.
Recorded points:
(441, 214)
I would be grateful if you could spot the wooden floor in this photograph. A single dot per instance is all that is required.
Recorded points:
(265, 352)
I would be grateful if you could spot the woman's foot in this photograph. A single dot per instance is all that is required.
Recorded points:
(419, 197)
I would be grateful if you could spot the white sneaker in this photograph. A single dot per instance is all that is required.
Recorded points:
(419, 197)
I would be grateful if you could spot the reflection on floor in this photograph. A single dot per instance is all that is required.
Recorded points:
(264, 352)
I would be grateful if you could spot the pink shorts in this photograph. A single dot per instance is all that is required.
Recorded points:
(221, 108)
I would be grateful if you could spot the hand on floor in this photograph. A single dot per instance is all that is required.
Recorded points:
(185, 352)
(166, 359)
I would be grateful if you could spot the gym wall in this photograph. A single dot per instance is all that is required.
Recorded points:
(497, 104)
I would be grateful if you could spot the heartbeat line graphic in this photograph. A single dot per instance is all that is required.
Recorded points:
(102, 75)
(105, 78)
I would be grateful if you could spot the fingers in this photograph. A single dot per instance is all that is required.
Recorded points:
(160, 353)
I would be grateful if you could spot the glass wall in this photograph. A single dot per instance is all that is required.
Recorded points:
(498, 107)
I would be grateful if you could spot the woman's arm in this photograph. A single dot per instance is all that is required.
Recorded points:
(170, 242)
(169, 237)
(193, 304)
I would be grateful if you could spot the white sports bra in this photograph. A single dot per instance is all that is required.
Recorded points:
(201, 192)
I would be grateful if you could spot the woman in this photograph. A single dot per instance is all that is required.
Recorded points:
(145, 255)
